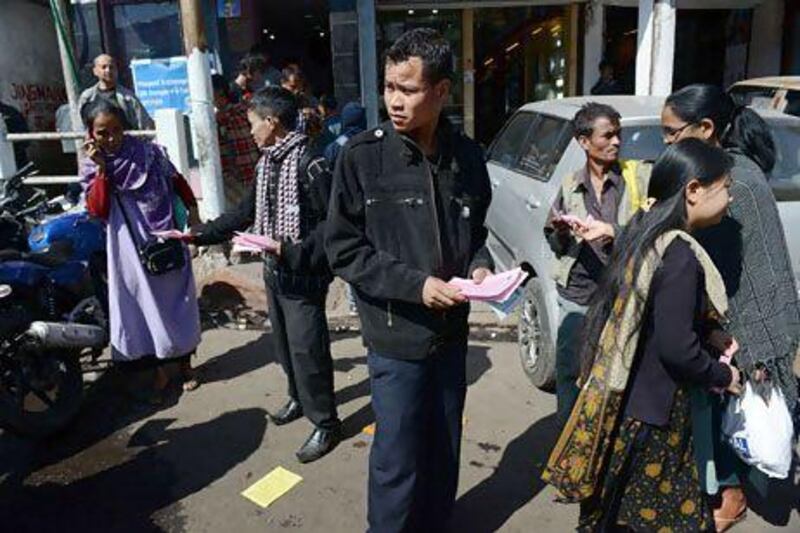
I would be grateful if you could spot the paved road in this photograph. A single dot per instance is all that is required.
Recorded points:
(124, 468)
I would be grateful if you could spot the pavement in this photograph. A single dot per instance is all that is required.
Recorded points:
(125, 467)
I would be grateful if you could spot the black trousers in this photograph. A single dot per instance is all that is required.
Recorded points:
(303, 347)
(413, 463)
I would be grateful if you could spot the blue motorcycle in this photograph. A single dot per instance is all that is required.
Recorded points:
(52, 308)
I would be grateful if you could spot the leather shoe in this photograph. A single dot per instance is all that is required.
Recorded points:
(319, 443)
(288, 413)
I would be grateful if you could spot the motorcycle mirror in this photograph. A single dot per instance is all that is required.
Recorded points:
(5, 291)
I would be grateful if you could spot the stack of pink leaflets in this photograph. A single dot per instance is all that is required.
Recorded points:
(250, 242)
(496, 288)
(170, 234)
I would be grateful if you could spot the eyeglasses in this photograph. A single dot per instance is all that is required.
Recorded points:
(671, 133)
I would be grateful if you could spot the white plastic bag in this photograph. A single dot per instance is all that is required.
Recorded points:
(760, 433)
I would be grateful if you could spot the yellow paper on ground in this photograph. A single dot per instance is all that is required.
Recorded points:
(271, 487)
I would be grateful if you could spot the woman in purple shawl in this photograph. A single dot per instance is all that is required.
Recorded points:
(151, 317)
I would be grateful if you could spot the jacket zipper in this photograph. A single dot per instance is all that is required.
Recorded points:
(434, 209)
(438, 236)
(411, 201)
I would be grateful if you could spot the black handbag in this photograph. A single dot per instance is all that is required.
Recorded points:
(157, 257)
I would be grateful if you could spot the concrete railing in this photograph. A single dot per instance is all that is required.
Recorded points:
(169, 132)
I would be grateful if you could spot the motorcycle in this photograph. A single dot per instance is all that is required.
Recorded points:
(52, 308)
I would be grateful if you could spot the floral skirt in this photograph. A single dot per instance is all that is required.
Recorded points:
(651, 481)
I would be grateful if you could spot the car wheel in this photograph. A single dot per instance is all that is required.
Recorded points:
(536, 341)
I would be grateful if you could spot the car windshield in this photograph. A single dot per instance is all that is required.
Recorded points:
(641, 142)
(646, 143)
(783, 100)
(785, 177)
(753, 95)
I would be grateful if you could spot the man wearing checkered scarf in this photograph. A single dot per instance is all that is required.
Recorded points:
(288, 202)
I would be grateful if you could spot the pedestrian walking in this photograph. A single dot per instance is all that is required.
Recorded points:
(749, 249)
(272, 76)
(354, 121)
(586, 215)
(131, 184)
(238, 152)
(407, 214)
(607, 84)
(287, 203)
(328, 111)
(294, 81)
(108, 88)
(626, 453)
(250, 77)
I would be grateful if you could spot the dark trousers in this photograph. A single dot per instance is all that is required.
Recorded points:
(571, 318)
(303, 347)
(413, 464)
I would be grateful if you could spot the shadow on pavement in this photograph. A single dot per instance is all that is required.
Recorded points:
(774, 500)
(346, 364)
(256, 354)
(514, 483)
(239, 361)
(107, 408)
(166, 465)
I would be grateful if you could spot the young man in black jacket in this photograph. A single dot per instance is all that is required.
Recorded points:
(407, 213)
(287, 203)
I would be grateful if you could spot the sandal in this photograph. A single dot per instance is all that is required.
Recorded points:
(724, 524)
(732, 509)
(190, 380)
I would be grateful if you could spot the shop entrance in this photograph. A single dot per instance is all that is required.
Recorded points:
(289, 32)
(520, 57)
(295, 31)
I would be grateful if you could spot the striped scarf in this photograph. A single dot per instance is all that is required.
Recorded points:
(277, 191)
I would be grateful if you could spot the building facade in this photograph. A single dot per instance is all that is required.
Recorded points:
(508, 52)
(31, 79)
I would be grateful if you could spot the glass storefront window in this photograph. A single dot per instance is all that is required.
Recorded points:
(520, 57)
(392, 24)
(148, 30)
(88, 40)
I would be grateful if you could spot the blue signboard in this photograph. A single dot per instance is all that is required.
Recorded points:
(161, 83)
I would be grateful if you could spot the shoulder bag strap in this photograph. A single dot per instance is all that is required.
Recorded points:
(127, 221)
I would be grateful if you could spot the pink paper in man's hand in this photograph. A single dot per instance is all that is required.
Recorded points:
(496, 288)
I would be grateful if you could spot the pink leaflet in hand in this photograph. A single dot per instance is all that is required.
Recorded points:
(170, 234)
(251, 240)
(495, 288)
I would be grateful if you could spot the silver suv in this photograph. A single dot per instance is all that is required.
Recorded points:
(527, 162)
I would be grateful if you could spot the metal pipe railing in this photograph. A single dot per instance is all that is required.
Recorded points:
(169, 132)
(66, 135)
(51, 180)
